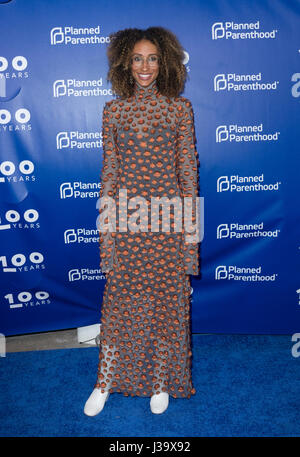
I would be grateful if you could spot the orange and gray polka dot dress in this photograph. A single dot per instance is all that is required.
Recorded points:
(149, 153)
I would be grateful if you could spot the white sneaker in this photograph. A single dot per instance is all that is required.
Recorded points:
(159, 402)
(95, 402)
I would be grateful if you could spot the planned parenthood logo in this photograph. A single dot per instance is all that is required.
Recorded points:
(252, 183)
(79, 140)
(244, 133)
(79, 190)
(242, 82)
(238, 231)
(240, 31)
(81, 235)
(84, 274)
(248, 274)
(76, 36)
(77, 88)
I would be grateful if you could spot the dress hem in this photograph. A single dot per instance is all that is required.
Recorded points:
(135, 394)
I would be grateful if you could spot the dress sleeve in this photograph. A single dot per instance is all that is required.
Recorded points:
(187, 172)
(109, 176)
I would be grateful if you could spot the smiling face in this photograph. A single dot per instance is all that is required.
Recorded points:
(144, 62)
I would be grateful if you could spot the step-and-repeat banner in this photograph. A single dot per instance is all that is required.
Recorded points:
(243, 69)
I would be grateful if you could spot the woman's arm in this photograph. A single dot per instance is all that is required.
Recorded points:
(109, 176)
(187, 172)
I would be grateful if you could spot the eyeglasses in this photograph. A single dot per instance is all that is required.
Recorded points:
(138, 61)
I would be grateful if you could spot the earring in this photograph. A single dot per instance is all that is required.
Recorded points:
(131, 79)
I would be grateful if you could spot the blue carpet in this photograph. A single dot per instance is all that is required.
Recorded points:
(246, 386)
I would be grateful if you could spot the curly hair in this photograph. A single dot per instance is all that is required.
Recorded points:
(172, 72)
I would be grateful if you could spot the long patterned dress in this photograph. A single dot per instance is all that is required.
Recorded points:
(148, 151)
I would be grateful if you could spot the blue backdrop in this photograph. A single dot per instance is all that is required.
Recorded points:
(244, 83)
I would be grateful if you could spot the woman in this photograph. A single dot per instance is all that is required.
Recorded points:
(149, 152)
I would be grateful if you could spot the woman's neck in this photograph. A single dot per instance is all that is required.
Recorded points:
(144, 91)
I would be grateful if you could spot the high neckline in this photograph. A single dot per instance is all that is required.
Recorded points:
(142, 92)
